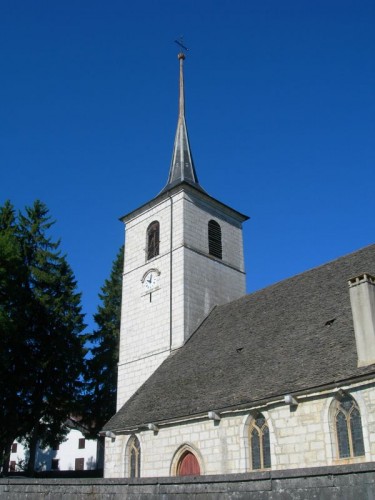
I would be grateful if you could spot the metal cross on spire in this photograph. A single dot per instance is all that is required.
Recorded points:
(180, 43)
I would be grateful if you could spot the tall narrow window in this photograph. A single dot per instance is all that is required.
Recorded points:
(134, 457)
(260, 444)
(214, 239)
(153, 240)
(348, 426)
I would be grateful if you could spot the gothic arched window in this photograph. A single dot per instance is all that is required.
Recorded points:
(134, 457)
(259, 437)
(348, 426)
(153, 240)
(214, 239)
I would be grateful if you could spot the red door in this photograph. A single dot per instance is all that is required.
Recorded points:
(188, 465)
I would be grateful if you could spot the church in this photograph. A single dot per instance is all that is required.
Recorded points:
(214, 381)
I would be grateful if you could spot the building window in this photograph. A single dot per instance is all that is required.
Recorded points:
(55, 464)
(153, 231)
(348, 424)
(81, 443)
(12, 466)
(14, 448)
(259, 436)
(134, 457)
(188, 465)
(214, 239)
(79, 464)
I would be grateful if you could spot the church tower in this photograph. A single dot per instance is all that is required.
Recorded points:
(183, 256)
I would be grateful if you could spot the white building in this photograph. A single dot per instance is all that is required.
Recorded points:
(213, 381)
(75, 453)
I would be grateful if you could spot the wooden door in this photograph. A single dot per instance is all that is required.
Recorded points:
(80, 464)
(188, 465)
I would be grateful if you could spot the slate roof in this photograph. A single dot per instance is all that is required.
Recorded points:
(293, 336)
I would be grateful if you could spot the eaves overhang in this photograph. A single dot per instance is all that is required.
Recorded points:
(190, 188)
(248, 406)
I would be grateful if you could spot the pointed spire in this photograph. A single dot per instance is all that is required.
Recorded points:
(182, 166)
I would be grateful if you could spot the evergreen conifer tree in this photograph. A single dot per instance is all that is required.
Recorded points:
(102, 365)
(45, 342)
(15, 298)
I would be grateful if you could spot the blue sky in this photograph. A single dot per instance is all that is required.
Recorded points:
(280, 110)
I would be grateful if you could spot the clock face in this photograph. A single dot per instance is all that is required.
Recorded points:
(151, 280)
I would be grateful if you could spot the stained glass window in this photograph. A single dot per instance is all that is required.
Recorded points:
(356, 432)
(342, 435)
(255, 449)
(266, 448)
(260, 444)
(134, 450)
(349, 428)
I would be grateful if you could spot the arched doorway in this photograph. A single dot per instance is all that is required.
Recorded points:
(188, 465)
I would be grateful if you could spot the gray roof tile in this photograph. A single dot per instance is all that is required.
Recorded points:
(290, 337)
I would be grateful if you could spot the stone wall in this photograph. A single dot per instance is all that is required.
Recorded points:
(323, 483)
(300, 437)
(209, 281)
(152, 325)
(145, 335)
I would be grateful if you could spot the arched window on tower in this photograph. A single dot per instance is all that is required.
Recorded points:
(153, 231)
(348, 427)
(134, 457)
(214, 239)
(259, 437)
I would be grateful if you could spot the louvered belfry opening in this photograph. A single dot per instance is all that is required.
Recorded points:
(153, 240)
(214, 239)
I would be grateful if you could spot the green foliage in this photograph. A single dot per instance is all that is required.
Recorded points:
(41, 323)
(100, 400)
(14, 297)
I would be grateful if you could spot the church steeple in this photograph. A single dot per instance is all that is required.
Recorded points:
(182, 166)
(183, 256)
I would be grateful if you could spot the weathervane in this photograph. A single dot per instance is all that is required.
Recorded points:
(180, 42)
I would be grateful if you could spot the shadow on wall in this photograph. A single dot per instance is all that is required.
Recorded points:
(50, 474)
(44, 459)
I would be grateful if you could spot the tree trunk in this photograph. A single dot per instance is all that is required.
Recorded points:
(5, 457)
(33, 445)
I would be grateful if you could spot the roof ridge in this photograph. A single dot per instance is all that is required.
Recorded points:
(298, 275)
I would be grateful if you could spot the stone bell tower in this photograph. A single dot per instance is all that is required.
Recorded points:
(183, 256)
